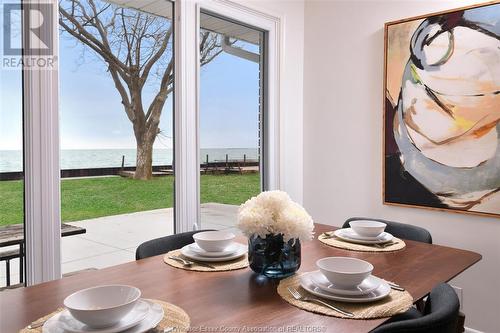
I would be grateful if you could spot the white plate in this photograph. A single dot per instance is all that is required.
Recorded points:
(350, 232)
(228, 251)
(368, 285)
(382, 291)
(240, 251)
(349, 235)
(57, 324)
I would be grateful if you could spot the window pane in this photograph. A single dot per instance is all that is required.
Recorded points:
(11, 157)
(230, 118)
(116, 101)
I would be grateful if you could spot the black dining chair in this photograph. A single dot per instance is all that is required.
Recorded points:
(400, 230)
(440, 315)
(165, 244)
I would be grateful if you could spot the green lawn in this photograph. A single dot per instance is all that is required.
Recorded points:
(94, 197)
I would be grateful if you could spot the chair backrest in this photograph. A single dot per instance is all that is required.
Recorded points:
(165, 244)
(400, 230)
(440, 315)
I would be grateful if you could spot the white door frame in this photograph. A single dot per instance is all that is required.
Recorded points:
(187, 141)
(185, 128)
(41, 156)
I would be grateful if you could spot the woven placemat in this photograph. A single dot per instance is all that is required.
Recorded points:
(174, 317)
(396, 302)
(341, 244)
(232, 265)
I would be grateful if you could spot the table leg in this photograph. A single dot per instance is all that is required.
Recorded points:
(420, 304)
(7, 268)
(21, 263)
(461, 322)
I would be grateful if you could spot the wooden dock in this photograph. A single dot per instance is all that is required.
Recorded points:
(226, 166)
(130, 174)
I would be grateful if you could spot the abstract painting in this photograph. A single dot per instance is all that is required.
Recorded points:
(442, 111)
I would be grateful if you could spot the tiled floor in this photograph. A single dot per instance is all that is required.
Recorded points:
(112, 240)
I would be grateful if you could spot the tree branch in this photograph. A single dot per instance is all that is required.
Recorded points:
(149, 64)
(123, 93)
(156, 105)
(88, 39)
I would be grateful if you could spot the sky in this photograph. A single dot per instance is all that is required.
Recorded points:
(92, 116)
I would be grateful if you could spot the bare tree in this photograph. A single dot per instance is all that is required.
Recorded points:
(136, 48)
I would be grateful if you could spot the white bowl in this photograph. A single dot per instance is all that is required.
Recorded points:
(367, 228)
(102, 306)
(344, 272)
(213, 241)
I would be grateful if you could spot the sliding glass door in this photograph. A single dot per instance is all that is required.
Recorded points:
(116, 129)
(97, 152)
(231, 113)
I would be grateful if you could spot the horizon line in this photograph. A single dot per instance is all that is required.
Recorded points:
(17, 149)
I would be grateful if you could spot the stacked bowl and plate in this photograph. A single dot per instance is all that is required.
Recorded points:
(365, 232)
(214, 246)
(106, 309)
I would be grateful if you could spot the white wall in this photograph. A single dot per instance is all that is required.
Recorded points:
(291, 103)
(343, 76)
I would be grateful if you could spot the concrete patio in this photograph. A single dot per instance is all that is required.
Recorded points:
(112, 240)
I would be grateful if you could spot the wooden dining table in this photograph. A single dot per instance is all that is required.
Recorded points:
(240, 300)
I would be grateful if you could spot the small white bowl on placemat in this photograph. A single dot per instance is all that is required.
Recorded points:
(214, 241)
(366, 228)
(102, 306)
(344, 272)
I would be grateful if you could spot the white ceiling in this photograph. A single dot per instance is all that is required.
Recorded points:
(230, 29)
(156, 7)
(164, 8)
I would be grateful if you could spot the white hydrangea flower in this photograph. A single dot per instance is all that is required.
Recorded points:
(273, 212)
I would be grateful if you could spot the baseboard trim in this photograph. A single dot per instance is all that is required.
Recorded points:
(471, 330)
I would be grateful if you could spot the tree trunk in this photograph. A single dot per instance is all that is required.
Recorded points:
(144, 158)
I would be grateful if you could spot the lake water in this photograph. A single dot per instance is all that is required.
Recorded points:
(11, 160)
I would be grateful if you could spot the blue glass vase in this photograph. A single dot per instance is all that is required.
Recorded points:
(272, 256)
